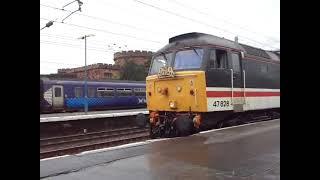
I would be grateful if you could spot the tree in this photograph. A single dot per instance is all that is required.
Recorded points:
(133, 72)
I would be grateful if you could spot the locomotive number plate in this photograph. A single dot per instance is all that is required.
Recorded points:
(221, 103)
(166, 72)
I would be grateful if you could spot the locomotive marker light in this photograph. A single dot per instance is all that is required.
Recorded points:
(173, 104)
(179, 88)
(85, 72)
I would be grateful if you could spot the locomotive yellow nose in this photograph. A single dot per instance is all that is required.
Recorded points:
(178, 93)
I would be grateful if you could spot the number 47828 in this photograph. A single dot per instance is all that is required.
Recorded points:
(221, 103)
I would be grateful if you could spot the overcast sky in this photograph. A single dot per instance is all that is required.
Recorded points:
(147, 25)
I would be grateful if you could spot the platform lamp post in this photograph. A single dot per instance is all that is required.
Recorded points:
(85, 72)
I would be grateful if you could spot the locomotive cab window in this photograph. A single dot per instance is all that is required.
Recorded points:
(188, 59)
(217, 59)
(160, 61)
(221, 59)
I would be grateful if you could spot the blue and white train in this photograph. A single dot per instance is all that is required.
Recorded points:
(68, 95)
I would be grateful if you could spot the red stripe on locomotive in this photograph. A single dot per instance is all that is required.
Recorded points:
(240, 94)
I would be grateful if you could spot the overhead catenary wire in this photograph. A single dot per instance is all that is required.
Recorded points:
(79, 8)
(101, 43)
(75, 46)
(104, 20)
(108, 32)
(221, 19)
(181, 16)
(199, 22)
(133, 27)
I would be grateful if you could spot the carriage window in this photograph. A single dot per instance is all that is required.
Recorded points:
(105, 92)
(91, 92)
(221, 56)
(124, 91)
(57, 92)
(78, 92)
(188, 59)
(139, 91)
(235, 62)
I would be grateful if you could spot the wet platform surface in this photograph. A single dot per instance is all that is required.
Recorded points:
(245, 152)
(91, 114)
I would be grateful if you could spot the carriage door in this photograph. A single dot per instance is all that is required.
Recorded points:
(57, 96)
(237, 85)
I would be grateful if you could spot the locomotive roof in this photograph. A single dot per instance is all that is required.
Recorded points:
(194, 38)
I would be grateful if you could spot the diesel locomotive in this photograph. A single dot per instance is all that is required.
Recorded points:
(199, 81)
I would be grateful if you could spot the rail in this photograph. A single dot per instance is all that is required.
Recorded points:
(62, 145)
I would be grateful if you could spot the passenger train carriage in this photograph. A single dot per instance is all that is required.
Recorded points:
(200, 80)
(68, 95)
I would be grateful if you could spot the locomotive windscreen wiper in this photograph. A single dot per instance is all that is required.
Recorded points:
(165, 58)
(196, 52)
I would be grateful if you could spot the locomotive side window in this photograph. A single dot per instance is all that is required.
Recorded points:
(105, 92)
(78, 92)
(218, 59)
(57, 92)
(235, 62)
(221, 56)
(91, 92)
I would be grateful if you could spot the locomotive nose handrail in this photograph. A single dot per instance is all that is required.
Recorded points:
(195, 97)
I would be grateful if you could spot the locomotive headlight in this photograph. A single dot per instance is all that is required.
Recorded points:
(173, 104)
(179, 88)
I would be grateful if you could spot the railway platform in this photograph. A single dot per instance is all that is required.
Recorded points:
(250, 151)
(55, 117)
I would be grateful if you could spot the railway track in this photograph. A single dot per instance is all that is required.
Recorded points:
(76, 143)
(71, 144)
